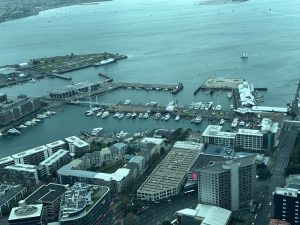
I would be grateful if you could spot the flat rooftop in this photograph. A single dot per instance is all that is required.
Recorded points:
(10, 191)
(290, 192)
(156, 141)
(72, 139)
(25, 212)
(6, 160)
(215, 131)
(249, 132)
(55, 144)
(171, 171)
(218, 150)
(30, 152)
(54, 157)
(77, 198)
(46, 194)
(224, 166)
(190, 145)
(22, 167)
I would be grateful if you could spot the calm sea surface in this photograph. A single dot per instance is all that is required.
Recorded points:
(167, 41)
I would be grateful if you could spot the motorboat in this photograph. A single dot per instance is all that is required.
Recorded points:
(99, 114)
(234, 122)
(13, 131)
(127, 102)
(167, 117)
(22, 126)
(146, 115)
(198, 119)
(117, 114)
(229, 94)
(244, 55)
(218, 107)
(121, 116)
(105, 114)
(128, 115)
(157, 115)
(96, 131)
(133, 115)
(222, 121)
(208, 105)
(89, 113)
(141, 115)
(177, 118)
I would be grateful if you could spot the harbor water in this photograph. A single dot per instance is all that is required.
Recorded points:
(166, 42)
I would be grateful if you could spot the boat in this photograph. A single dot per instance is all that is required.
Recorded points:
(133, 115)
(153, 103)
(136, 135)
(89, 113)
(157, 115)
(242, 123)
(99, 114)
(127, 102)
(146, 115)
(128, 115)
(208, 105)
(41, 116)
(167, 117)
(96, 131)
(202, 106)
(13, 131)
(117, 114)
(222, 121)
(229, 94)
(198, 119)
(104, 61)
(36, 120)
(121, 115)
(218, 107)
(22, 126)
(244, 55)
(105, 114)
(234, 122)
(28, 123)
(33, 122)
(141, 115)
(121, 134)
(247, 124)
(231, 106)
(33, 80)
(177, 118)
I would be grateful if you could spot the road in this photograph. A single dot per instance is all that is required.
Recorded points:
(279, 163)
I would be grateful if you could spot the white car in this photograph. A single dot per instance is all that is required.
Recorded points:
(270, 203)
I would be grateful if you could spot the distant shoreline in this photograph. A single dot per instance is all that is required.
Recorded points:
(18, 13)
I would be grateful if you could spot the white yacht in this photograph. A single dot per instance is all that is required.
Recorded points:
(105, 114)
(99, 114)
(157, 115)
(133, 115)
(28, 123)
(128, 115)
(231, 106)
(244, 55)
(104, 61)
(121, 116)
(177, 118)
(22, 126)
(96, 131)
(13, 131)
(198, 119)
(234, 122)
(146, 115)
(208, 105)
(229, 94)
(218, 107)
(222, 121)
(89, 113)
(127, 102)
(141, 115)
(242, 123)
(167, 117)
(117, 114)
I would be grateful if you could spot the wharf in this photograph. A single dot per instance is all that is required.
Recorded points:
(107, 78)
(174, 89)
(61, 76)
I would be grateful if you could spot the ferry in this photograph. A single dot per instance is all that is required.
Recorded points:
(177, 118)
(13, 131)
(141, 115)
(121, 116)
(167, 117)
(105, 61)
(198, 119)
(234, 122)
(105, 114)
(99, 114)
(222, 121)
(229, 94)
(96, 131)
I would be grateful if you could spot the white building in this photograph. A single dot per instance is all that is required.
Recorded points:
(32, 156)
(249, 139)
(77, 146)
(55, 146)
(55, 161)
(23, 172)
(229, 184)
(204, 215)
(214, 135)
(140, 161)
(6, 161)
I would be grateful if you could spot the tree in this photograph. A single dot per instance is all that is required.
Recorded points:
(131, 219)
(264, 174)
